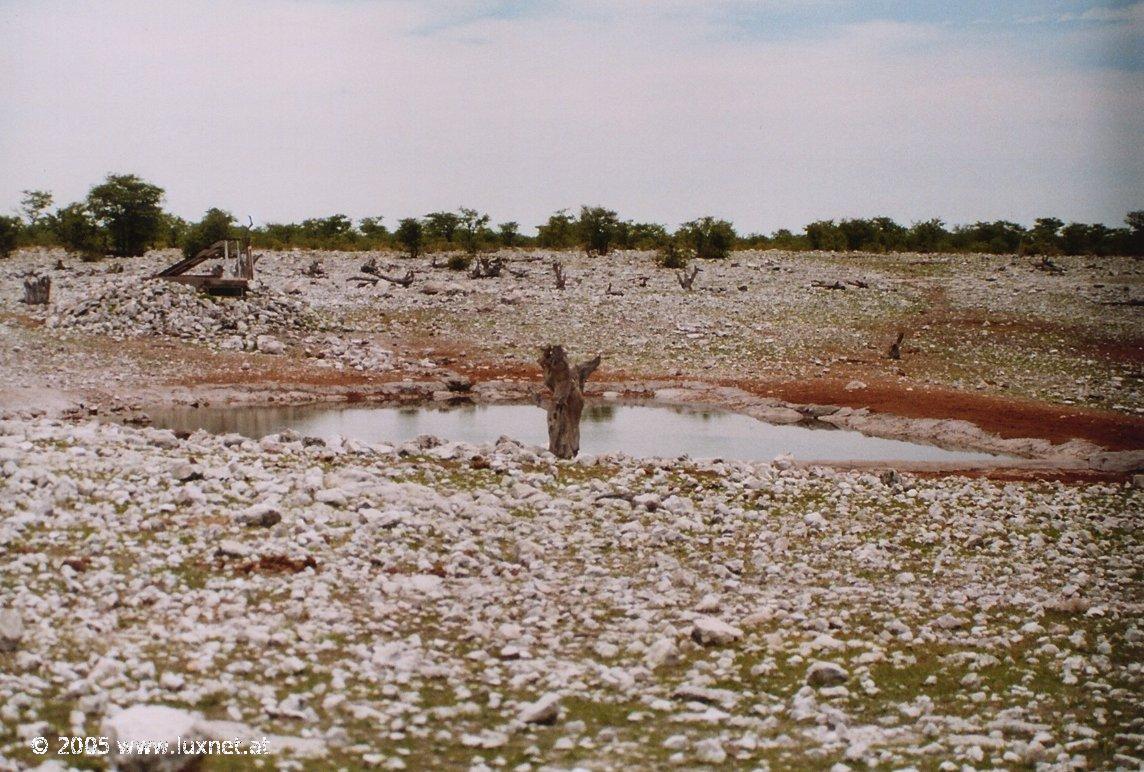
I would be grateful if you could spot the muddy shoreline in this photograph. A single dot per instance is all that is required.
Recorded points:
(1074, 459)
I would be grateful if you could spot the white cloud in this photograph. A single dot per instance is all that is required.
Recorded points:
(292, 109)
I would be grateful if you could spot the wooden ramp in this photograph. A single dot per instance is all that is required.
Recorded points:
(216, 283)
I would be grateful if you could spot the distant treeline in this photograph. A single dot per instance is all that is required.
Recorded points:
(123, 215)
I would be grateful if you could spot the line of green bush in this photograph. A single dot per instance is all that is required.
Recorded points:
(123, 216)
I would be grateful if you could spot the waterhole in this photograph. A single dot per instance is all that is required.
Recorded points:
(638, 430)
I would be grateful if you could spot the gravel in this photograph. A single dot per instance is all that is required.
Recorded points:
(417, 610)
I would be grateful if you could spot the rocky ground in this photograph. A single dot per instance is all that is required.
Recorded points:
(448, 605)
(442, 605)
(990, 340)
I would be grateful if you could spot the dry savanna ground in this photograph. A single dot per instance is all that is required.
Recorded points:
(436, 604)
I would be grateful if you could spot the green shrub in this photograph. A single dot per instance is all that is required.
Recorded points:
(130, 209)
(78, 232)
(597, 228)
(410, 234)
(458, 261)
(671, 253)
(472, 229)
(215, 226)
(711, 239)
(10, 228)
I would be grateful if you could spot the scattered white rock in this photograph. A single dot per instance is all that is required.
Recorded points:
(826, 674)
(11, 630)
(711, 631)
(544, 711)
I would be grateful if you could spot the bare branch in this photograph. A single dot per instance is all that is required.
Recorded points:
(685, 279)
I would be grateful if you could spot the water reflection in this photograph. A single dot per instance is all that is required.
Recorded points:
(639, 430)
(597, 413)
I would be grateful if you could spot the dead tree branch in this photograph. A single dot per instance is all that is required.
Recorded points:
(403, 281)
(486, 268)
(561, 277)
(686, 280)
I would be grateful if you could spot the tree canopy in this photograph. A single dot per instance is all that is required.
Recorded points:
(123, 215)
(130, 210)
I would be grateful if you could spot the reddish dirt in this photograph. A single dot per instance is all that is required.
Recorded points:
(278, 564)
(1006, 417)
(1065, 476)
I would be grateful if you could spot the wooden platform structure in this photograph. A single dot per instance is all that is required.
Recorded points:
(216, 282)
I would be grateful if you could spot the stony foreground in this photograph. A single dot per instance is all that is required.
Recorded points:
(452, 606)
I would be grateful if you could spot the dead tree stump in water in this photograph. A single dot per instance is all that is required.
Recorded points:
(567, 385)
(37, 290)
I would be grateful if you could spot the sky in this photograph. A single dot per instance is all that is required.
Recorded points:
(770, 113)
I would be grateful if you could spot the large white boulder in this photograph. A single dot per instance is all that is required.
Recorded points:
(147, 737)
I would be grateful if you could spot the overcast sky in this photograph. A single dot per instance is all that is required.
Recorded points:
(771, 113)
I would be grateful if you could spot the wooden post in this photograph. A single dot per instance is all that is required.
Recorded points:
(567, 385)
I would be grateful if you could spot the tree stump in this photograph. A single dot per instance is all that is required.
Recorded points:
(567, 385)
(37, 290)
(561, 277)
(687, 279)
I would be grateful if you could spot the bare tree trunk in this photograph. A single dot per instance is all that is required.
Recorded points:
(561, 277)
(895, 351)
(567, 385)
(37, 290)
